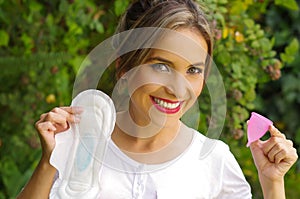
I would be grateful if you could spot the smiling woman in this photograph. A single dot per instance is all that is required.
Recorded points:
(173, 76)
(151, 153)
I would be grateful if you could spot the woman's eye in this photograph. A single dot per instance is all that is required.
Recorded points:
(194, 70)
(160, 67)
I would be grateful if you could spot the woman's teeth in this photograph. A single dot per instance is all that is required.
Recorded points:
(166, 105)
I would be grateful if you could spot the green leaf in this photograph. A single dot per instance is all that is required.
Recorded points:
(260, 33)
(63, 6)
(265, 44)
(223, 10)
(272, 53)
(222, 2)
(249, 23)
(4, 38)
(249, 2)
(290, 51)
(120, 6)
(284, 58)
(293, 47)
(273, 41)
(50, 19)
(224, 57)
(265, 63)
(238, 7)
(250, 95)
(220, 18)
(35, 6)
(255, 44)
(99, 27)
(237, 70)
(290, 4)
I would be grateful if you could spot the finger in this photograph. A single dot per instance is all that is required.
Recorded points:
(293, 156)
(280, 156)
(255, 147)
(290, 143)
(255, 144)
(73, 109)
(256, 151)
(43, 127)
(275, 132)
(258, 156)
(66, 114)
(268, 145)
(57, 119)
(287, 154)
(277, 148)
(43, 116)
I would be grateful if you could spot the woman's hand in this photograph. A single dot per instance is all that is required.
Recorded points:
(273, 158)
(55, 121)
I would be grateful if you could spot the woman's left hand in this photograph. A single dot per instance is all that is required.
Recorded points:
(273, 157)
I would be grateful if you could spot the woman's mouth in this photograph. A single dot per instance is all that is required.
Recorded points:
(166, 106)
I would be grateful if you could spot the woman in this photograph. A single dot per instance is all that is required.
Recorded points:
(162, 87)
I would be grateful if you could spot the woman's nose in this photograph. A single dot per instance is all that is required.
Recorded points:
(178, 86)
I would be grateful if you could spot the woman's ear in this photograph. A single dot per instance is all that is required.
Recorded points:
(118, 62)
(120, 73)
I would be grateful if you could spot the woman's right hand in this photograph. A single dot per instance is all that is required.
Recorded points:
(53, 122)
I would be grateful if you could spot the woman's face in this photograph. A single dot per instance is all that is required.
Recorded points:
(168, 83)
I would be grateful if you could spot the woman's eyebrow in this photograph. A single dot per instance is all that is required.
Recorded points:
(159, 59)
(199, 64)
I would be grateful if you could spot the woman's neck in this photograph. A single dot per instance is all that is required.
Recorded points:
(138, 138)
(163, 145)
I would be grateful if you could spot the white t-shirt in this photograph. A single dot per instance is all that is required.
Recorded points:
(216, 175)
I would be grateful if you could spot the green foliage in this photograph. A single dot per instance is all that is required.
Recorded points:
(4, 38)
(280, 99)
(252, 53)
(42, 44)
(290, 4)
(290, 51)
(120, 6)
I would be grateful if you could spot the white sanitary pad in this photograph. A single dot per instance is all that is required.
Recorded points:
(79, 151)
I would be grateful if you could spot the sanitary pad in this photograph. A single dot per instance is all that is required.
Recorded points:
(79, 152)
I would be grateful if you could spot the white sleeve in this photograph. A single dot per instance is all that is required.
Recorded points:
(234, 184)
(55, 185)
(59, 159)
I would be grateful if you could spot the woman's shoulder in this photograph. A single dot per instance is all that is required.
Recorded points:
(207, 147)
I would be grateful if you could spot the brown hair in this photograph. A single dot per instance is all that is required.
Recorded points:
(171, 14)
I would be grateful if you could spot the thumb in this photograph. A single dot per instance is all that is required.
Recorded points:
(275, 132)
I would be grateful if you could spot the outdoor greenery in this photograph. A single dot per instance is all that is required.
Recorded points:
(42, 44)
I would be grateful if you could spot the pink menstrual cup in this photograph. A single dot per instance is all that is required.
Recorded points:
(258, 125)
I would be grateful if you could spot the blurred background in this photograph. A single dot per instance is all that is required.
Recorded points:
(42, 44)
